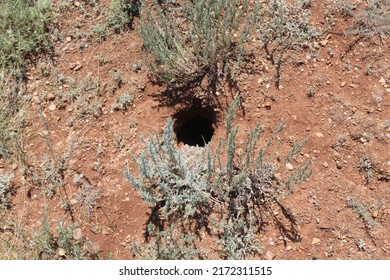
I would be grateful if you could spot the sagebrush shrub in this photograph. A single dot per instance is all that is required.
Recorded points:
(237, 239)
(122, 13)
(183, 184)
(363, 212)
(346, 9)
(177, 180)
(283, 26)
(196, 40)
(373, 21)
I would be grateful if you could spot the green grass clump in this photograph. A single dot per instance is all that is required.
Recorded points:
(23, 33)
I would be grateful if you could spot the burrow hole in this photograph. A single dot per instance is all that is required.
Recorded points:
(195, 126)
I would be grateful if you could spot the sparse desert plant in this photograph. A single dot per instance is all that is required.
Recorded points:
(86, 98)
(366, 166)
(363, 212)
(124, 100)
(43, 243)
(366, 137)
(119, 141)
(23, 33)
(341, 141)
(11, 121)
(103, 60)
(310, 92)
(361, 245)
(168, 245)
(98, 163)
(387, 124)
(117, 75)
(187, 183)
(24, 36)
(50, 173)
(51, 176)
(5, 189)
(373, 21)
(48, 244)
(173, 181)
(237, 239)
(282, 26)
(346, 8)
(88, 195)
(246, 185)
(199, 40)
(120, 15)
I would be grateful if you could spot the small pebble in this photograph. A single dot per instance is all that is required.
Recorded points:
(61, 252)
(36, 100)
(50, 96)
(316, 241)
(52, 107)
(77, 234)
(319, 135)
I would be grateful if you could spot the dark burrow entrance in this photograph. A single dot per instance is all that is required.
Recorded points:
(195, 126)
